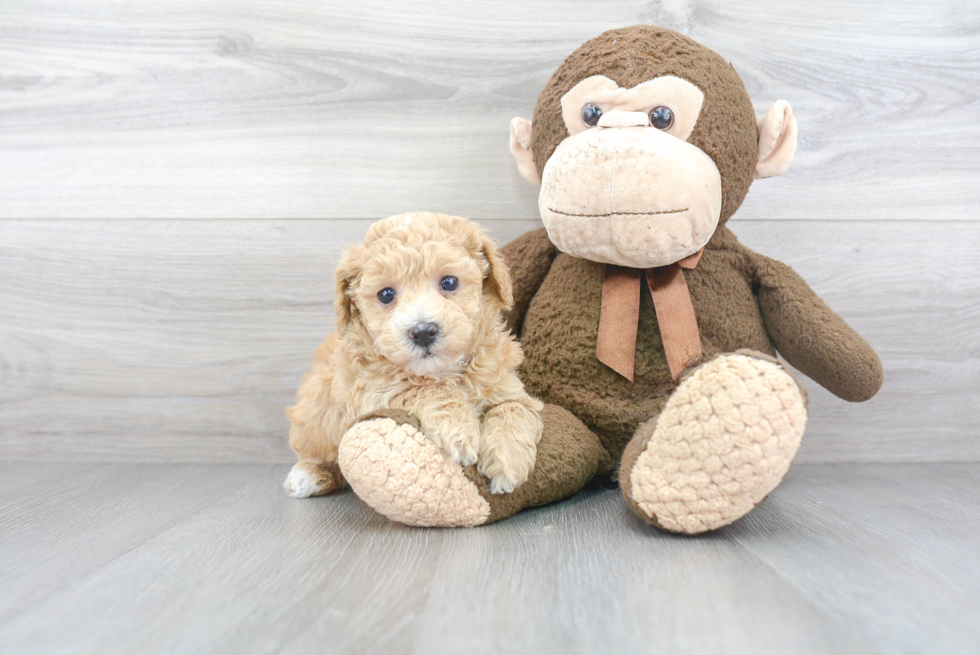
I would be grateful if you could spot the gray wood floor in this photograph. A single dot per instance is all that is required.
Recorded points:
(198, 558)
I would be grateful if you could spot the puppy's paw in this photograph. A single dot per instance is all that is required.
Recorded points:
(507, 458)
(308, 479)
(461, 442)
(458, 440)
(501, 485)
(462, 450)
(302, 482)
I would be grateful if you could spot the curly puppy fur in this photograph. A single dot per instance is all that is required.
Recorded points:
(462, 387)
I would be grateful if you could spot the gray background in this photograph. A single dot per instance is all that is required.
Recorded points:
(178, 180)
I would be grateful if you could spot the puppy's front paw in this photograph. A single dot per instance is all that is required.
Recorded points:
(460, 446)
(458, 440)
(507, 458)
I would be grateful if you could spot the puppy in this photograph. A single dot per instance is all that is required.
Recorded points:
(419, 329)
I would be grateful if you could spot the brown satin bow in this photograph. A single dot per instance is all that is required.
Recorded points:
(619, 316)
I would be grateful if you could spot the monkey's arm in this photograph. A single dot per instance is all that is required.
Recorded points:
(812, 337)
(528, 257)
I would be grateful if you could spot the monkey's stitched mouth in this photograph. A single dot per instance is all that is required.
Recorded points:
(666, 211)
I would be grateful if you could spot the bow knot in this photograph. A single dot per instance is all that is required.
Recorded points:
(619, 315)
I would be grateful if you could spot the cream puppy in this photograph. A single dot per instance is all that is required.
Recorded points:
(419, 329)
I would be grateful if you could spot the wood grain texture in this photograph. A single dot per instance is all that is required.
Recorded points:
(16, 475)
(184, 340)
(903, 566)
(98, 514)
(288, 108)
(839, 559)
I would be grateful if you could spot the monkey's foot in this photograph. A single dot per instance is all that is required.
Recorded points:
(394, 468)
(402, 474)
(725, 439)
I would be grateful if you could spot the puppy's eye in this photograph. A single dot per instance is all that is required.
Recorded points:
(448, 283)
(661, 118)
(386, 295)
(591, 113)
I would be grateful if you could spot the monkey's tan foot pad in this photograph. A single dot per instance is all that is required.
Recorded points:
(400, 473)
(725, 439)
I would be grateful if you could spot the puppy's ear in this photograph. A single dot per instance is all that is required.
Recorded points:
(345, 280)
(497, 280)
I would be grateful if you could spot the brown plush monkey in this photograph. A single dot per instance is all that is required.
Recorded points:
(648, 330)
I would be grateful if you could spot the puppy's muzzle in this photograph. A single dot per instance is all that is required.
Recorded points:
(423, 334)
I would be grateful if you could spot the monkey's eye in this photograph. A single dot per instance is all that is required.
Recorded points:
(386, 296)
(661, 117)
(591, 114)
(448, 283)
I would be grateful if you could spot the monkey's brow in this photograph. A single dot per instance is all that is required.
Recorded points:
(666, 211)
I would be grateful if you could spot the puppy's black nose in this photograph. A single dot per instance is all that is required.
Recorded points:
(424, 333)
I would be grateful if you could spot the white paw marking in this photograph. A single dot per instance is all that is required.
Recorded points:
(501, 485)
(468, 455)
(300, 483)
(460, 448)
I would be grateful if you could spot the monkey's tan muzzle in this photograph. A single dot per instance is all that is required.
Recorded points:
(632, 196)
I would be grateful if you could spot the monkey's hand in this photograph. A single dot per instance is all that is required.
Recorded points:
(812, 337)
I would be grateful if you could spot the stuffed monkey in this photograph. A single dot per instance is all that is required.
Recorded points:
(648, 330)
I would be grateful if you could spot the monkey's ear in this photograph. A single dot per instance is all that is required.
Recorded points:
(520, 147)
(777, 140)
(345, 278)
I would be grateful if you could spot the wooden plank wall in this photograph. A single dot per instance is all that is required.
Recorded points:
(178, 179)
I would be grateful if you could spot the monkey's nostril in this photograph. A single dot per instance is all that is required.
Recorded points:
(424, 333)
